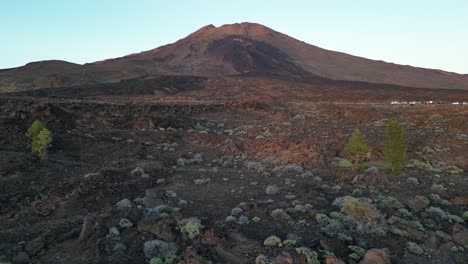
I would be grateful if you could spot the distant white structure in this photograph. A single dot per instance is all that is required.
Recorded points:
(398, 102)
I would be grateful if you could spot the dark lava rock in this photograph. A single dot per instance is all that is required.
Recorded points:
(376, 256)
(161, 228)
(21, 258)
(112, 250)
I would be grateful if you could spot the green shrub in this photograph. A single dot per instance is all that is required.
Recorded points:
(465, 215)
(414, 248)
(230, 219)
(455, 219)
(311, 256)
(272, 241)
(342, 163)
(41, 138)
(363, 166)
(190, 227)
(358, 252)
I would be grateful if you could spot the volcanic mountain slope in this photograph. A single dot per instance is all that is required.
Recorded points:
(247, 47)
(229, 50)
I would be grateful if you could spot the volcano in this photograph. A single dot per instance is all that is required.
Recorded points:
(234, 49)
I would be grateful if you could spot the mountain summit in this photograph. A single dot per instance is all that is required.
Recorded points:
(230, 50)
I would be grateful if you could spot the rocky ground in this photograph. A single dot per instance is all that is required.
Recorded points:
(230, 182)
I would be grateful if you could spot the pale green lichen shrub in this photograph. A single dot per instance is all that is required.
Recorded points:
(171, 194)
(437, 211)
(201, 181)
(414, 248)
(342, 163)
(256, 219)
(457, 249)
(455, 219)
(272, 241)
(190, 227)
(358, 252)
(261, 259)
(388, 202)
(280, 215)
(465, 215)
(167, 260)
(413, 223)
(344, 237)
(321, 218)
(289, 242)
(405, 213)
(230, 219)
(156, 261)
(236, 211)
(378, 232)
(336, 215)
(328, 225)
(399, 232)
(311, 256)
(114, 231)
(328, 254)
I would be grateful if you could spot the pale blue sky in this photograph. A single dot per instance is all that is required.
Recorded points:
(425, 33)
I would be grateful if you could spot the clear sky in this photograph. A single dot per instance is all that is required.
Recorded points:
(425, 33)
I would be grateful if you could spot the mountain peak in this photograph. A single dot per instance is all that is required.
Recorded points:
(245, 29)
(241, 48)
(240, 29)
(202, 30)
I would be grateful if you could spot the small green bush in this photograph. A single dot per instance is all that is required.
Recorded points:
(414, 248)
(272, 241)
(311, 256)
(41, 138)
(190, 227)
(465, 215)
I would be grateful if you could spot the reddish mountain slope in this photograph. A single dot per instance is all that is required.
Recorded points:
(229, 50)
(245, 47)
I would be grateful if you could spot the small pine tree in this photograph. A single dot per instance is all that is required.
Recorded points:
(395, 149)
(41, 138)
(357, 147)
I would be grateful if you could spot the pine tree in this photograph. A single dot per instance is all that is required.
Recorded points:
(41, 138)
(395, 149)
(357, 146)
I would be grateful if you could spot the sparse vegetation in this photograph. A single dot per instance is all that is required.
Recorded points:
(282, 185)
